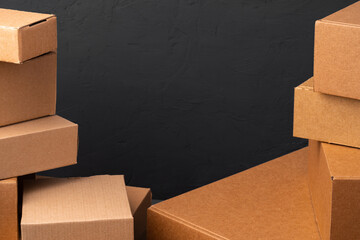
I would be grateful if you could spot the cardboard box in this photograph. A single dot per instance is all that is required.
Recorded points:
(334, 180)
(270, 201)
(336, 58)
(90, 208)
(140, 201)
(37, 145)
(9, 209)
(325, 117)
(26, 35)
(28, 90)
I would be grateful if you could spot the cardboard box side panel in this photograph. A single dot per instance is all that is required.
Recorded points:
(25, 154)
(336, 61)
(28, 90)
(346, 210)
(140, 217)
(9, 210)
(92, 230)
(9, 45)
(161, 227)
(320, 185)
(326, 118)
(38, 39)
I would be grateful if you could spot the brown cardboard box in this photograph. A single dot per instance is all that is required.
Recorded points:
(37, 145)
(25, 35)
(140, 201)
(90, 208)
(9, 209)
(28, 90)
(334, 180)
(325, 117)
(270, 201)
(336, 58)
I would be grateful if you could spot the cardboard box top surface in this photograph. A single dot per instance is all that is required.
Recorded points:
(75, 200)
(18, 19)
(349, 15)
(343, 162)
(33, 126)
(270, 201)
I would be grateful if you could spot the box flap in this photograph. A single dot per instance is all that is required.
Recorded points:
(56, 200)
(349, 15)
(17, 19)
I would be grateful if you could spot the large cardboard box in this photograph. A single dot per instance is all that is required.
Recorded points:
(270, 201)
(37, 145)
(140, 201)
(90, 208)
(337, 50)
(325, 117)
(9, 209)
(26, 35)
(28, 90)
(334, 180)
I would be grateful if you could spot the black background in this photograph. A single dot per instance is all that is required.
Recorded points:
(178, 93)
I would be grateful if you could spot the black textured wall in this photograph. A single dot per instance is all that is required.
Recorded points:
(178, 93)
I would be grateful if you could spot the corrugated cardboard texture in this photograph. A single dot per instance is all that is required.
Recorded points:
(325, 117)
(9, 209)
(336, 62)
(76, 209)
(26, 35)
(334, 173)
(140, 201)
(37, 145)
(28, 90)
(270, 201)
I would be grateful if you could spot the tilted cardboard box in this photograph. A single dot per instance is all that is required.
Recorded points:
(334, 180)
(336, 58)
(37, 145)
(28, 90)
(9, 209)
(90, 208)
(270, 201)
(325, 117)
(140, 201)
(26, 35)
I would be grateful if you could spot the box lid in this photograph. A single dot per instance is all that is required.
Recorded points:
(18, 19)
(270, 201)
(75, 200)
(349, 15)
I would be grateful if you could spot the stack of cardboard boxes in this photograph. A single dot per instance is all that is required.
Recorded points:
(34, 139)
(313, 193)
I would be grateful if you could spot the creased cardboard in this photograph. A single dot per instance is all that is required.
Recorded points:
(28, 90)
(337, 50)
(90, 208)
(37, 145)
(140, 201)
(9, 209)
(270, 201)
(325, 117)
(334, 180)
(26, 35)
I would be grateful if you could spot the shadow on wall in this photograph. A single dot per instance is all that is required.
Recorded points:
(176, 94)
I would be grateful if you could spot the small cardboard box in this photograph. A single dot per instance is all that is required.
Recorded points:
(26, 35)
(27, 90)
(9, 209)
(37, 145)
(270, 201)
(140, 201)
(337, 50)
(326, 118)
(90, 208)
(334, 180)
